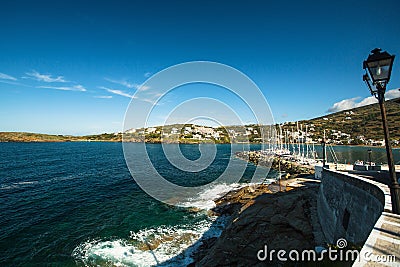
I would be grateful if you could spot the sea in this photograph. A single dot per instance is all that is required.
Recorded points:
(76, 204)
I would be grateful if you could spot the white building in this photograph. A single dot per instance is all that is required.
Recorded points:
(204, 130)
(151, 130)
(197, 136)
(131, 131)
(174, 131)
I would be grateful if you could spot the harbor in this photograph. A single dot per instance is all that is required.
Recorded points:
(291, 163)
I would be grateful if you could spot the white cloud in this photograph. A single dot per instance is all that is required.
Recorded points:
(78, 88)
(44, 77)
(11, 82)
(395, 93)
(103, 96)
(142, 87)
(147, 74)
(128, 84)
(356, 102)
(125, 94)
(121, 82)
(117, 92)
(7, 77)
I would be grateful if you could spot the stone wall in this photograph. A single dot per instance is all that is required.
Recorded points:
(348, 206)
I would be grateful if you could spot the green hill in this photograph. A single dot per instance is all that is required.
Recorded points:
(360, 125)
(35, 137)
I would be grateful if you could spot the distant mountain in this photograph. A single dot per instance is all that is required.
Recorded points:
(36, 137)
(356, 126)
(362, 125)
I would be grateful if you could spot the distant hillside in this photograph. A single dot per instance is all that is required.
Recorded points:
(360, 125)
(35, 137)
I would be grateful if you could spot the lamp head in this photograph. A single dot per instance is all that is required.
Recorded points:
(379, 66)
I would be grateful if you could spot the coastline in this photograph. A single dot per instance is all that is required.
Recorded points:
(25, 137)
(186, 143)
(262, 215)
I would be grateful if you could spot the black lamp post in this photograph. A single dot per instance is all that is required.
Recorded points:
(378, 68)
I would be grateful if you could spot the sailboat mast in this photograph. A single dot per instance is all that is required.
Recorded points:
(313, 150)
(286, 141)
(306, 141)
(292, 140)
(280, 136)
(298, 138)
(302, 141)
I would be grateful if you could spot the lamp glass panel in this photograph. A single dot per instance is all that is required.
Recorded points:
(379, 70)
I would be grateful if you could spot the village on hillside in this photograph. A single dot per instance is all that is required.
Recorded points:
(288, 132)
(358, 126)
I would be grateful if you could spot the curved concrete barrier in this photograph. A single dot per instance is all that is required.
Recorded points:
(359, 210)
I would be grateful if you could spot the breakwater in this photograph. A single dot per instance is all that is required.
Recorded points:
(348, 207)
(359, 210)
(292, 168)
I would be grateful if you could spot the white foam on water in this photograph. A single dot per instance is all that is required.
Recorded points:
(205, 199)
(269, 181)
(162, 246)
(18, 185)
(30, 183)
(26, 183)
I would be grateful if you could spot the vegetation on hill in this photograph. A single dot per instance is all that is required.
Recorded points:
(360, 125)
(35, 137)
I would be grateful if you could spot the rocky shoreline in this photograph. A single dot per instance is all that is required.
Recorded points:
(258, 217)
(292, 169)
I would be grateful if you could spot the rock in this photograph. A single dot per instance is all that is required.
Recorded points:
(281, 221)
(225, 209)
(278, 219)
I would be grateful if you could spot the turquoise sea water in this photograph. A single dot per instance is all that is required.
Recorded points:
(68, 204)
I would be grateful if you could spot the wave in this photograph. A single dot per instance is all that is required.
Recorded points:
(31, 183)
(161, 246)
(205, 199)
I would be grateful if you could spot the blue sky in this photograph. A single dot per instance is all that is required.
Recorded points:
(69, 67)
